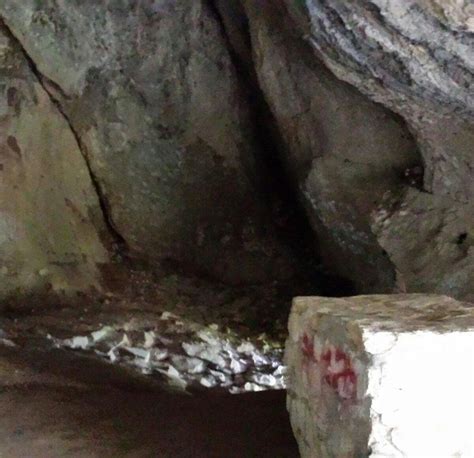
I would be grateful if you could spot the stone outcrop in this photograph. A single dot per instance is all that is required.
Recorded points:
(52, 234)
(418, 219)
(399, 52)
(151, 93)
(342, 150)
(417, 58)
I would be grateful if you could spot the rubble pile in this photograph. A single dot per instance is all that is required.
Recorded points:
(187, 354)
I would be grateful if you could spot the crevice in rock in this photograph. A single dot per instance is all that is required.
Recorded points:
(243, 69)
(408, 174)
(276, 185)
(119, 244)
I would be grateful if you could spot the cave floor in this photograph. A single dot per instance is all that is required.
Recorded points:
(56, 401)
(56, 404)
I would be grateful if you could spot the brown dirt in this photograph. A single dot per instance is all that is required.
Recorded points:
(55, 403)
(59, 403)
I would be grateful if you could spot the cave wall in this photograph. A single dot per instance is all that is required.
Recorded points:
(52, 232)
(145, 129)
(342, 150)
(151, 93)
(417, 58)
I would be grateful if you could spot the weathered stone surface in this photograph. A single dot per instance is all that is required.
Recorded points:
(163, 97)
(343, 150)
(417, 58)
(235, 23)
(398, 51)
(152, 93)
(50, 219)
(382, 375)
(430, 240)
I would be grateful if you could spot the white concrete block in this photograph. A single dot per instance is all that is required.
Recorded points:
(382, 376)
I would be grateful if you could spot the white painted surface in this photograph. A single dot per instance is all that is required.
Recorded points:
(422, 389)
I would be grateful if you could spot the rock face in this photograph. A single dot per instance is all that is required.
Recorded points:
(420, 218)
(343, 151)
(51, 230)
(399, 52)
(417, 58)
(364, 376)
(371, 114)
(150, 90)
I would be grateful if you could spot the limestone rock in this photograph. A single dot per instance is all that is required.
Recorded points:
(343, 151)
(417, 58)
(162, 97)
(374, 376)
(431, 241)
(152, 93)
(52, 233)
(397, 51)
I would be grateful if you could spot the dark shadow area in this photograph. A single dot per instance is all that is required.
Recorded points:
(55, 403)
(275, 183)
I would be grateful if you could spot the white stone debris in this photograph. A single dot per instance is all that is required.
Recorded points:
(142, 353)
(150, 339)
(125, 342)
(252, 387)
(187, 354)
(175, 378)
(159, 354)
(265, 380)
(102, 334)
(208, 381)
(77, 342)
(188, 365)
(207, 336)
(112, 355)
(259, 359)
(280, 371)
(246, 347)
(237, 366)
(221, 377)
(211, 353)
(7, 342)
(381, 375)
(167, 316)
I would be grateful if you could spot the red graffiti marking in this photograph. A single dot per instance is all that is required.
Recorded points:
(335, 368)
(339, 373)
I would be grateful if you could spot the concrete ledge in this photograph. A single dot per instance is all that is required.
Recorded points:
(381, 375)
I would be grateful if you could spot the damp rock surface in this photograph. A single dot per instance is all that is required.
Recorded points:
(373, 376)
